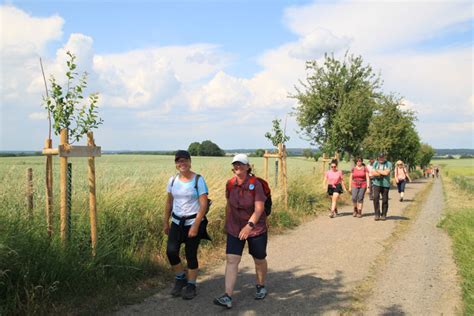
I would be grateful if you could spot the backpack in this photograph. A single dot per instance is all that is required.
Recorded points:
(266, 190)
(196, 180)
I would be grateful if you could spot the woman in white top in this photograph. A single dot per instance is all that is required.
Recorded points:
(186, 204)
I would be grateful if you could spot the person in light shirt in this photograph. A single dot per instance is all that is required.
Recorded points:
(334, 182)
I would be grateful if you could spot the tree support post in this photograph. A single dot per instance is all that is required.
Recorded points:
(63, 140)
(48, 144)
(92, 195)
(29, 191)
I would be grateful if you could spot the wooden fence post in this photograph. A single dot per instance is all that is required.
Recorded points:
(92, 196)
(29, 191)
(63, 140)
(265, 165)
(49, 188)
(284, 176)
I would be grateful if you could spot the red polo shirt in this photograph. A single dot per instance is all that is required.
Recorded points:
(242, 205)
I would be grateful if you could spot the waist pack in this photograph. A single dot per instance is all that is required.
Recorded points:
(266, 190)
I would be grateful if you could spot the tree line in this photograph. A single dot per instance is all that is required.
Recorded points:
(341, 107)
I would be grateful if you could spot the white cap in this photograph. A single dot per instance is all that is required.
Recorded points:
(241, 158)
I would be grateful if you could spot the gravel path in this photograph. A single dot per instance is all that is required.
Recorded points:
(420, 277)
(314, 268)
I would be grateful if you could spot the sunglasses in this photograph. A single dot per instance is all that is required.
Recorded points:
(333, 166)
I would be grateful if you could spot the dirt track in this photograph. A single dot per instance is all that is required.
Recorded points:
(315, 268)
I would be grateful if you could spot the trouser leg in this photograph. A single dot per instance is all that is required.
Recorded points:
(376, 196)
(384, 201)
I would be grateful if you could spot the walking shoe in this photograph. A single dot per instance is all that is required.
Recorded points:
(359, 213)
(178, 286)
(189, 291)
(261, 292)
(382, 218)
(355, 212)
(376, 218)
(225, 300)
(401, 200)
(332, 214)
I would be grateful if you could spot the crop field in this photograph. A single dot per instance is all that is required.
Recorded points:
(39, 273)
(458, 181)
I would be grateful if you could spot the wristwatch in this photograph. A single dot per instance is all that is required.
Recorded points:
(251, 224)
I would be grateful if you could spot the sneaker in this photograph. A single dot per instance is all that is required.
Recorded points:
(382, 218)
(261, 292)
(376, 218)
(189, 291)
(355, 212)
(332, 214)
(225, 300)
(178, 286)
(401, 200)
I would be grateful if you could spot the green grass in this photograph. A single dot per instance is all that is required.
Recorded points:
(459, 222)
(38, 275)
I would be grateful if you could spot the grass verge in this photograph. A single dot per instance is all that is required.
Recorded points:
(459, 223)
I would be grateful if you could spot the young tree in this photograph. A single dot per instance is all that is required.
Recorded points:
(336, 103)
(278, 136)
(64, 103)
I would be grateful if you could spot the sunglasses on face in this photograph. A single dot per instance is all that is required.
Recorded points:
(333, 167)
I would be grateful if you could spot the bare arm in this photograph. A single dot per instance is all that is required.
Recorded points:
(167, 213)
(193, 231)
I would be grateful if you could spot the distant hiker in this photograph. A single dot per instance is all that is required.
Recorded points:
(437, 172)
(334, 182)
(245, 221)
(381, 186)
(401, 178)
(370, 167)
(186, 204)
(359, 183)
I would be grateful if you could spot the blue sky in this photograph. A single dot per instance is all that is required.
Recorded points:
(174, 72)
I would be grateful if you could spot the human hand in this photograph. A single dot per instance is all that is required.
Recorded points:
(166, 228)
(193, 231)
(245, 232)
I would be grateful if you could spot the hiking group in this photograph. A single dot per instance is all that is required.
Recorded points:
(248, 205)
(373, 178)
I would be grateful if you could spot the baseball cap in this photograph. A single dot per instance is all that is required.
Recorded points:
(242, 158)
(381, 155)
(182, 154)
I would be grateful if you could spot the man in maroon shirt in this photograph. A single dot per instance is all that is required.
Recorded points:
(245, 221)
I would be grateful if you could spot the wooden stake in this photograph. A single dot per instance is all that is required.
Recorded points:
(265, 165)
(280, 166)
(48, 144)
(63, 140)
(29, 191)
(284, 176)
(92, 196)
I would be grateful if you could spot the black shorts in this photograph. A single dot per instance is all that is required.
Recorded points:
(257, 246)
(337, 189)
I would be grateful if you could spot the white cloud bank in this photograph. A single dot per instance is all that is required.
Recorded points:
(171, 90)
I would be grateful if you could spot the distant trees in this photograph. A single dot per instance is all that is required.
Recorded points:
(206, 148)
(424, 155)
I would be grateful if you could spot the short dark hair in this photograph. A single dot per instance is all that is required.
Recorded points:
(334, 161)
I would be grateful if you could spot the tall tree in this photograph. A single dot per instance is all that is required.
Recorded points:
(336, 103)
(209, 148)
(392, 131)
(194, 149)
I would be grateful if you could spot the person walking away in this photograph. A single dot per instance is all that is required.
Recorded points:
(401, 178)
(245, 221)
(359, 183)
(370, 167)
(186, 204)
(437, 172)
(381, 186)
(334, 182)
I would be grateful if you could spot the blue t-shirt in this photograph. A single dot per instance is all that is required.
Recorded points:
(185, 197)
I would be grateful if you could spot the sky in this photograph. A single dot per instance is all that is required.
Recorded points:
(170, 73)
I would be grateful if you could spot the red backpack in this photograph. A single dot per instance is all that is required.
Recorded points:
(266, 191)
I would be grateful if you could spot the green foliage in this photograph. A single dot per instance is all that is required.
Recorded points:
(194, 149)
(336, 103)
(278, 136)
(392, 131)
(259, 153)
(307, 153)
(424, 155)
(206, 148)
(64, 104)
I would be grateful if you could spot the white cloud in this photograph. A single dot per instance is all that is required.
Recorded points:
(314, 44)
(379, 26)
